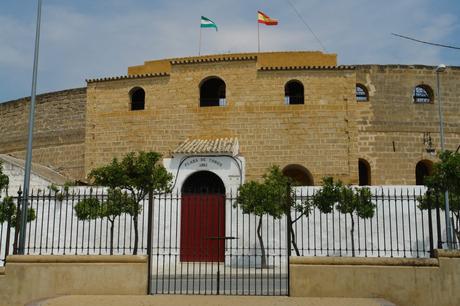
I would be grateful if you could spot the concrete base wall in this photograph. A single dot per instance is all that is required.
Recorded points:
(405, 282)
(208, 300)
(29, 278)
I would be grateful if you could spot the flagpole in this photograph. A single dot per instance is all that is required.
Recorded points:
(199, 48)
(258, 36)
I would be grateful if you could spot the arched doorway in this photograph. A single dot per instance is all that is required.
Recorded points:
(299, 174)
(422, 169)
(203, 218)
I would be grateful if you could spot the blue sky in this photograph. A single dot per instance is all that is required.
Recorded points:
(86, 39)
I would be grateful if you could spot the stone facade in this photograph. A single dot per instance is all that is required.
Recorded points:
(391, 126)
(80, 129)
(59, 130)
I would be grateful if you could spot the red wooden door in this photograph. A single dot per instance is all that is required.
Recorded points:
(202, 227)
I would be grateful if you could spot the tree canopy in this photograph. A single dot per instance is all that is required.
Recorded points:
(445, 177)
(272, 196)
(140, 173)
(116, 203)
(347, 200)
(4, 180)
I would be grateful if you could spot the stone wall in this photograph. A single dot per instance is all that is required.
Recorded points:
(269, 132)
(58, 133)
(264, 60)
(405, 282)
(327, 135)
(391, 125)
(32, 278)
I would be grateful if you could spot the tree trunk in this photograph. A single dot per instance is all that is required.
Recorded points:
(8, 233)
(261, 242)
(136, 233)
(287, 212)
(293, 238)
(17, 228)
(352, 233)
(112, 225)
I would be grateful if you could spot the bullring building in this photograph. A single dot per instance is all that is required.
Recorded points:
(219, 120)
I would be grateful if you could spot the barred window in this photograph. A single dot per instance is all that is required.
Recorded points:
(212, 92)
(293, 92)
(137, 96)
(362, 94)
(423, 94)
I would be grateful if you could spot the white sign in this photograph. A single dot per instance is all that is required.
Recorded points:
(203, 162)
(229, 169)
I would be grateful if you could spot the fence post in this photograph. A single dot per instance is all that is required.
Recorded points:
(149, 241)
(430, 223)
(438, 222)
(288, 233)
(17, 228)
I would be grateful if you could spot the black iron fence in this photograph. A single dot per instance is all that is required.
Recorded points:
(399, 228)
(204, 244)
(57, 230)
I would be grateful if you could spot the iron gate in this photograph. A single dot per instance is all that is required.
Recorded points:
(203, 244)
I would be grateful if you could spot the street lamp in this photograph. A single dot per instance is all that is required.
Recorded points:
(442, 68)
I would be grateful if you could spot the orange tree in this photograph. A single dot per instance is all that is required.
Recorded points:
(139, 173)
(445, 177)
(347, 200)
(113, 206)
(272, 196)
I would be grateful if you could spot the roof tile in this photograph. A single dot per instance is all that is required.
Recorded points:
(209, 146)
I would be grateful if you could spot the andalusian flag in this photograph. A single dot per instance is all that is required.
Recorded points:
(262, 18)
(207, 23)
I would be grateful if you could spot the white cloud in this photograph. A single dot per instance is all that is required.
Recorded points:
(78, 43)
(13, 50)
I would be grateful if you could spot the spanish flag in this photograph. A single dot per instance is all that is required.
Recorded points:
(262, 18)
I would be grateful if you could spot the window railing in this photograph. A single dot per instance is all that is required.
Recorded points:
(207, 102)
(288, 100)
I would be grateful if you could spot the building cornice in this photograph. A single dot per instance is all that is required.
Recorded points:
(127, 77)
(281, 68)
(223, 58)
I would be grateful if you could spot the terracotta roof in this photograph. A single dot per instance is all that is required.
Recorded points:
(308, 68)
(209, 146)
(124, 77)
(223, 58)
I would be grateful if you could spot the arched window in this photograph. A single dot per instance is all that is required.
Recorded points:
(423, 94)
(364, 173)
(423, 169)
(362, 95)
(212, 92)
(293, 92)
(137, 96)
(299, 174)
